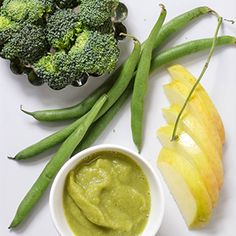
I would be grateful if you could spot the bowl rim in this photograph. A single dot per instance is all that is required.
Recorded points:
(79, 157)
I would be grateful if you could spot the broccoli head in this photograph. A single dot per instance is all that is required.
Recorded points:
(26, 10)
(62, 28)
(46, 67)
(57, 70)
(94, 13)
(28, 44)
(7, 29)
(95, 53)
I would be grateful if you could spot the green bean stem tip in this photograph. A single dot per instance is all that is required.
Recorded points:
(162, 6)
(130, 36)
(230, 21)
(26, 112)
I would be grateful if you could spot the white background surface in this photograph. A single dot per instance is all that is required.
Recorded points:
(18, 131)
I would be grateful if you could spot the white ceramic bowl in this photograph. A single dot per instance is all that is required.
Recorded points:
(157, 196)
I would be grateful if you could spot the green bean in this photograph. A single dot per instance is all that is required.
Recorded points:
(55, 164)
(75, 111)
(167, 31)
(48, 142)
(99, 126)
(178, 23)
(188, 48)
(141, 82)
(164, 58)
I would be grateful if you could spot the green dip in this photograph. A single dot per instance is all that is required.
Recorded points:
(107, 194)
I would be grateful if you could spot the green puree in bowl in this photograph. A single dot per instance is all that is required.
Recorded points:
(107, 194)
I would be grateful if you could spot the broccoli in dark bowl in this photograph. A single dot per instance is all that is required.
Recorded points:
(59, 42)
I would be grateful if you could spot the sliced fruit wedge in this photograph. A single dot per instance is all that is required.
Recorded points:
(177, 93)
(193, 127)
(178, 72)
(187, 188)
(191, 152)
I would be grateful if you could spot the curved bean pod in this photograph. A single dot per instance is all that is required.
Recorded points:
(141, 82)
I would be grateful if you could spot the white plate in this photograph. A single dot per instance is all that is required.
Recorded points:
(18, 130)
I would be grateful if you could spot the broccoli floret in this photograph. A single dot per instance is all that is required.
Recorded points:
(28, 44)
(95, 53)
(46, 67)
(57, 70)
(7, 29)
(26, 10)
(62, 28)
(67, 3)
(94, 13)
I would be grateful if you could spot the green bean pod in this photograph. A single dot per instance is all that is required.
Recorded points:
(55, 164)
(188, 48)
(75, 111)
(178, 23)
(141, 82)
(168, 30)
(100, 125)
(48, 142)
